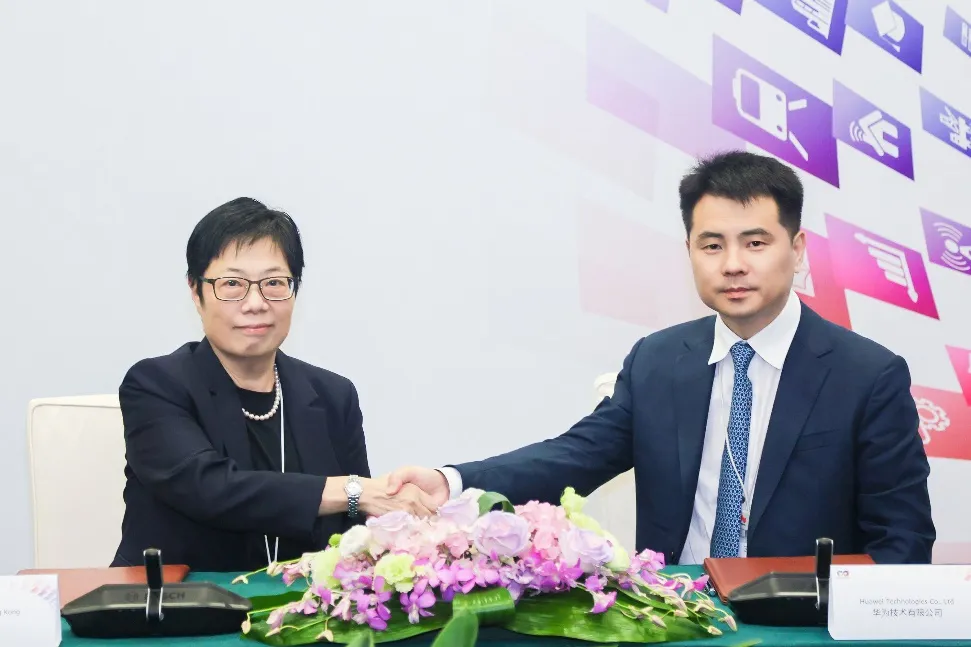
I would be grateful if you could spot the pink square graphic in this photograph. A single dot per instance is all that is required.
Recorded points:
(880, 268)
(945, 420)
(961, 361)
(816, 283)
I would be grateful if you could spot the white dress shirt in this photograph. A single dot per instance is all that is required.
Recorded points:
(771, 345)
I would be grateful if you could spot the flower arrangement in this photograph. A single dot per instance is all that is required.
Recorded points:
(535, 569)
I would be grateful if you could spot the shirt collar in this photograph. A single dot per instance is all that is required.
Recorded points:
(771, 343)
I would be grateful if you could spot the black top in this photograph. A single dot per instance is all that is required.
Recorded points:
(264, 442)
(191, 489)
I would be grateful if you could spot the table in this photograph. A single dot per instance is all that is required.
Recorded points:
(262, 585)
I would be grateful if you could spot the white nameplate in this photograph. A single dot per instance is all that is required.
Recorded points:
(905, 602)
(30, 610)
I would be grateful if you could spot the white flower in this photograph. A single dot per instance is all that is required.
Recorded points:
(471, 493)
(355, 541)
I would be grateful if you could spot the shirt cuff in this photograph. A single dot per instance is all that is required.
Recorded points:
(454, 480)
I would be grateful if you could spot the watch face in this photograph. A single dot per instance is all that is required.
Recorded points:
(353, 488)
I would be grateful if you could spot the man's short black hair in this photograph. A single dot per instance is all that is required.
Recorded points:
(742, 176)
(242, 221)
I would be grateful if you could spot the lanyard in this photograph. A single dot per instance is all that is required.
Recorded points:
(283, 469)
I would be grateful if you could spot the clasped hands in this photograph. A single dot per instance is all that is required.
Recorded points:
(416, 490)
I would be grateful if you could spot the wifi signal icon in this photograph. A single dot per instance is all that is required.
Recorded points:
(954, 256)
(857, 134)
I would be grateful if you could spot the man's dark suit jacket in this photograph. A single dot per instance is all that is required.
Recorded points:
(842, 457)
(191, 490)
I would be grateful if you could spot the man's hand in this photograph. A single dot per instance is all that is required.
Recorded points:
(432, 482)
(377, 499)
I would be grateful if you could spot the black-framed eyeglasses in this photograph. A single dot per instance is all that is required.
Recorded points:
(235, 288)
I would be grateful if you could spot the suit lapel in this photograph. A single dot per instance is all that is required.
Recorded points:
(693, 377)
(306, 420)
(225, 421)
(802, 378)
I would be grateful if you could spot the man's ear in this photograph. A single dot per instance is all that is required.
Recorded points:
(799, 246)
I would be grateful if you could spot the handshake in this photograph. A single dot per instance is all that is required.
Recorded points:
(416, 490)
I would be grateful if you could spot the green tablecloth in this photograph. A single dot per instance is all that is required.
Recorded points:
(261, 585)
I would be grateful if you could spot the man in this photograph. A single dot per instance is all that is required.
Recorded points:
(237, 454)
(752, 432)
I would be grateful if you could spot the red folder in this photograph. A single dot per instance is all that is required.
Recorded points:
(728, 573)
(72, 583)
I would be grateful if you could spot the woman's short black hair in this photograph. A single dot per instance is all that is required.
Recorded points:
(242, 221)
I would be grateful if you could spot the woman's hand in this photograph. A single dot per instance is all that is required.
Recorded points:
(375, 499)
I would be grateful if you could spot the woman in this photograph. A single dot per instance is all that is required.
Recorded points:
(237, 454)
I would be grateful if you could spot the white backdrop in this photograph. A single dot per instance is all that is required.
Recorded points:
(483, 237)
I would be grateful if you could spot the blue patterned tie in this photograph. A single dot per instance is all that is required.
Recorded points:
(728, 515)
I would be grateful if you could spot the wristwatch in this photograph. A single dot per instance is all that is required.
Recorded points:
(353, 490)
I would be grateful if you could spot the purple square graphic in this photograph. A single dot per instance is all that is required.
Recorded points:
(958, 30)
(756, 103)
(734, 5)
(945, 122)
(890, 27)
(824, 20)
(660, 4)
(629, 80)
(948, 242)
(872, 131)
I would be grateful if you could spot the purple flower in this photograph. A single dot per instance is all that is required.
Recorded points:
(371, 607)
(603, 601)
(325, 594)
(502, 533)
(292, 572)
(593, 584)
(275, 619)
(486, 573)
(456, 577)
(648, 559)
(307, 606)
(415, 603)
(586, 548)
(342, 609)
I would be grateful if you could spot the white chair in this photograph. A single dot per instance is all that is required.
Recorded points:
(76, 448)
(614, 503)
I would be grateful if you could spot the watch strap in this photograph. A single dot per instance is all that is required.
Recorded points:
(353, 500)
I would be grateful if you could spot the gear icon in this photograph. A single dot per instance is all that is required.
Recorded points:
(932, 419)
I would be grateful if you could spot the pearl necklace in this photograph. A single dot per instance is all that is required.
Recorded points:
(276, 401)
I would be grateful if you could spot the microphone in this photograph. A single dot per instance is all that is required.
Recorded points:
(156, 609)
(787, 599)
(824, 559)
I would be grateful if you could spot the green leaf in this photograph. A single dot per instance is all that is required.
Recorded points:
(305, 630)
(656, 602)
(461, 631)
(263, 604)
(488, 500)
(493, 606)
(365, 639)
(568, 615)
